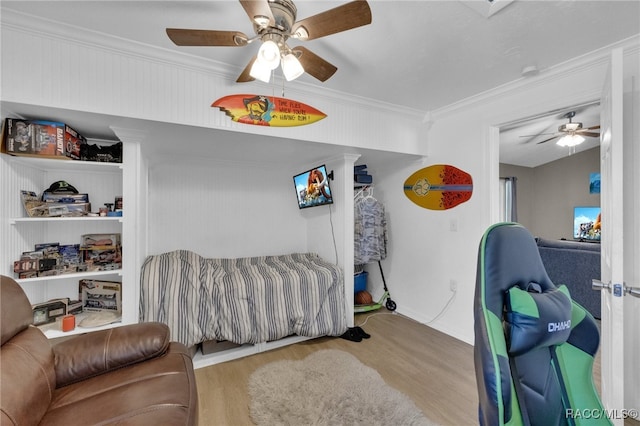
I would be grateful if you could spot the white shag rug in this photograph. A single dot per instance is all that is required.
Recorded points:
(329, 387)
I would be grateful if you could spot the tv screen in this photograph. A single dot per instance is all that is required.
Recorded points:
(312, 187)
(586, 223)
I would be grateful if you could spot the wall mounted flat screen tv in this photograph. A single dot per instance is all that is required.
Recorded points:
(312, 187)
(586, 223)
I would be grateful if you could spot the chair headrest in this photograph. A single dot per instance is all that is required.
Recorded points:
(15, 309)
(509, 256)
(536, 319)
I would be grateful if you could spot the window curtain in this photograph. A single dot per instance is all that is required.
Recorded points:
(509, 200)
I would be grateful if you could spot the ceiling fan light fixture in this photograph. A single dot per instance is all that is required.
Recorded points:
(570, 140)
(570, 127)
(260, 71)
(291, 67)
(269, 54)
(276, 21)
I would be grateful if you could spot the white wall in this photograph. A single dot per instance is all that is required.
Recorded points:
(219, 209)
(424, 255)
(234, 209)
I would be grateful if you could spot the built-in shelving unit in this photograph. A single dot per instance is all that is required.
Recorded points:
(78, 275)
(102, 181)
(19, 220)
(52, 332)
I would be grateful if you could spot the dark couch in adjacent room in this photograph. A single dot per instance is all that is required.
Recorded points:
(575, 264)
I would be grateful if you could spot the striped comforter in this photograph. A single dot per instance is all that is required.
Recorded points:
(244, 300)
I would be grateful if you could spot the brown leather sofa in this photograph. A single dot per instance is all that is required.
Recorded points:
(129, 375)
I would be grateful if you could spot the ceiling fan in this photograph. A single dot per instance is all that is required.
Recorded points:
(274, 22)
(571, 133)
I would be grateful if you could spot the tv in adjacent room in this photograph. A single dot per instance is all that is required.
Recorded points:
(586, 223)
(312, 187)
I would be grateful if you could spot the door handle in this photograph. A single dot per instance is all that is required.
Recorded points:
(633, 291)
(599, 285)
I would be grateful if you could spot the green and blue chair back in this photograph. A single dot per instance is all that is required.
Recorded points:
(534, 348)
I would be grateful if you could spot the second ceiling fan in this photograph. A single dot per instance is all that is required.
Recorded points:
(573, 132)
(274, 22)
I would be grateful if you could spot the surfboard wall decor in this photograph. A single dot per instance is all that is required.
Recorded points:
(439, 187)
(260, 110)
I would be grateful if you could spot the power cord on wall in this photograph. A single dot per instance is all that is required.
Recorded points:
(333, 234)
(446, 306)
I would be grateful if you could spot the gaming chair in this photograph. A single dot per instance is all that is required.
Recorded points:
(534, 347)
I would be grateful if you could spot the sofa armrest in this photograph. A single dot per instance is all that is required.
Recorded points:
(103, 351)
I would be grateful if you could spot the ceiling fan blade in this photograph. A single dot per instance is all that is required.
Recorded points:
(348, 16)
(535, 136)
(547, 140)
(531, 138)
(313, 64)
(186, 37)
(592, 128)
(245, 77)
(259, 12)
(589, 134)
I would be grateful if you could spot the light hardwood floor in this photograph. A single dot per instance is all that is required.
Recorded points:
(435, 370)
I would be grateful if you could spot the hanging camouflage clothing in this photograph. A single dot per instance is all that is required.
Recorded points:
(370, 230)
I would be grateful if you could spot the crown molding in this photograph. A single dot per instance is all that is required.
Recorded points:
(591, 60)
(49, 29)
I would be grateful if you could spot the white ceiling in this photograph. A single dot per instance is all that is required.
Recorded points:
(421, 55)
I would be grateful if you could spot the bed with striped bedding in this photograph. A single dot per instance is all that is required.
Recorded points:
(243, 300)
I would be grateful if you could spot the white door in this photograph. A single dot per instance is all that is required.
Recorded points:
(611, 200)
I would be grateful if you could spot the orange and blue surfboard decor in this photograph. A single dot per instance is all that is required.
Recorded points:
(439, 187)
(260, 110)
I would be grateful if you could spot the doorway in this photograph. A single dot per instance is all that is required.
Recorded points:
(551, 180)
